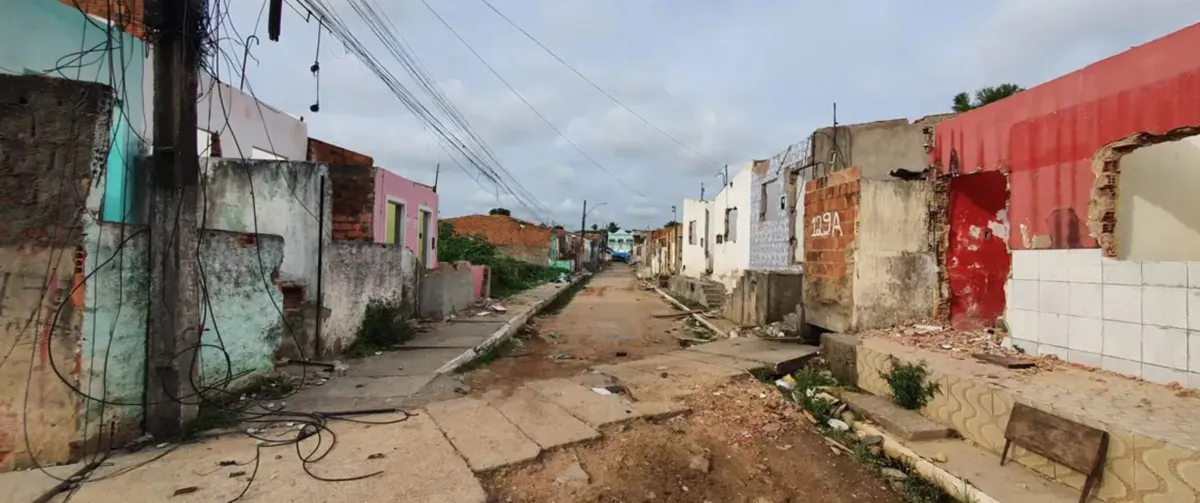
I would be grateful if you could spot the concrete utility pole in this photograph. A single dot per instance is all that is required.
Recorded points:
(583, 221)
(174, 324)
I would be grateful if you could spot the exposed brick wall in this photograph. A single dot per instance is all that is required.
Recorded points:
(127, 14)
(328, 153)
(53, 134)
(353, 205)
(522, 240)
(831, 210)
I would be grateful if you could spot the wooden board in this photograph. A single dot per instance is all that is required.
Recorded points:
(1003, 361)
(1076, 446)
(681, 313)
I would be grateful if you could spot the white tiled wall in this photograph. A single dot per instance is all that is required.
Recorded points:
(1136, 318)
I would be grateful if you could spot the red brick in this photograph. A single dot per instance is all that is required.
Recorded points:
(127, 14)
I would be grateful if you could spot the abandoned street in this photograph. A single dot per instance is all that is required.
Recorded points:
(538, 423)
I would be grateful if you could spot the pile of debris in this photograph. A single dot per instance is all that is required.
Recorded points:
(963, 344)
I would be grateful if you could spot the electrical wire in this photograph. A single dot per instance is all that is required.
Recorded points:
(454, 133)
(315, 425)
(597, 86)
(528, 104)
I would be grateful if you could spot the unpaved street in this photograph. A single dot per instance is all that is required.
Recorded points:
(741, 442)
(609, 320)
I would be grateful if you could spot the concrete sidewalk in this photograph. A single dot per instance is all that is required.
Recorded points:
(433, 455)
(392, 378)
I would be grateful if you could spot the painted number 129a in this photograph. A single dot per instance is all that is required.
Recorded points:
(826, 224)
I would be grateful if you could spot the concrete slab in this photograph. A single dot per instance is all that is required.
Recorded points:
(541, 420)
(1011, 482)
(903, 423)
(402, 363)
(594, 409)
(481, 434)
(666, 377)
(415, 463)
(782, 357)
(716, 359)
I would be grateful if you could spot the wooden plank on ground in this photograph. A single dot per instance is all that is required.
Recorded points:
(1007, 362)
(1077, 446)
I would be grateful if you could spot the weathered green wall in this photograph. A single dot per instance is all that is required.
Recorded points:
(243, 315)
(114, 325)
(240, 316)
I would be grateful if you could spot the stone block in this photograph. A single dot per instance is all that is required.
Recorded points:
(903, 423)
(841, 354)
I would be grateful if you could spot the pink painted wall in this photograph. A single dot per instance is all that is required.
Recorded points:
(392, 187)
(478, 273)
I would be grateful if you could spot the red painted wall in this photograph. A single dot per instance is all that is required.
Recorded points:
(977, 257)
(1045, 137)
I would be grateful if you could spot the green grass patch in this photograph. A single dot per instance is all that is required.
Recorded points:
(383, 327)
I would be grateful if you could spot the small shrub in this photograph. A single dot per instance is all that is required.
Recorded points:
(805, 393)
(383, 326)
(907, 380)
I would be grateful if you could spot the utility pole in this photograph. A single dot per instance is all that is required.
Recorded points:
(583, 221)
(701, 191)
(173, 330)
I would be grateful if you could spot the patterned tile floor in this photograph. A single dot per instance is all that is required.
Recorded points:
(1154, 452)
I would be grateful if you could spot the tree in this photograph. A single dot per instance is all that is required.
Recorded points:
(991, 94)
(595, 227)
(613, 227)
(671, 224)
(500, 211)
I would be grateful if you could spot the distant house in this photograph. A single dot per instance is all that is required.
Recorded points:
(519, 239)
(374, 204)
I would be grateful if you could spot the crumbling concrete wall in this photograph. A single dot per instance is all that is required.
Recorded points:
(280, 198)
(830, 226)
(876, 148)
(870, 252)
(53, 138)
(358, 272)
(895, 266)
(448, 289)
(762, 297)
(241, 304)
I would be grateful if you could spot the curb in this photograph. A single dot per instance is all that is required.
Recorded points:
(507, 330)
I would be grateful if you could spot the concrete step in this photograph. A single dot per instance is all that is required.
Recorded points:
(599, 410)
(481, 434)
(903, 423)
(780, 357)
(541, 420)
(1011, 483)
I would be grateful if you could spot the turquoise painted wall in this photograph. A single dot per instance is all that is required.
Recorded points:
(243, 310)
(114, 323)
(48, 37)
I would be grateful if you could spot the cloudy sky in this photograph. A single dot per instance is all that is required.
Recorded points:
(732, 80)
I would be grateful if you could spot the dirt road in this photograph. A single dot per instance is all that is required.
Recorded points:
(741, 442)
(608, 320)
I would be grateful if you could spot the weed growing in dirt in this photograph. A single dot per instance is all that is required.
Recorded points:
(497, 351)
(383, 326)
(907, 380)
(806, 393)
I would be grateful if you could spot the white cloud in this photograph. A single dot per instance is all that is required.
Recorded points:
(732, 80)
